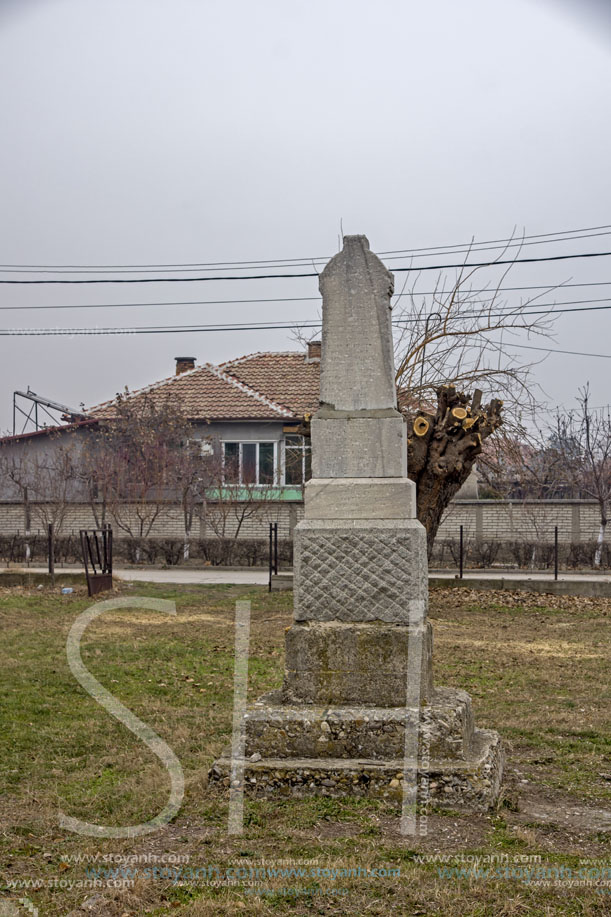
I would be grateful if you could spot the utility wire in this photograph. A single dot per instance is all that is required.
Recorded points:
(518, 311)
(162, 269)
(573, 353)
(258, 326)
(176, 330)
(588, 232)
(188, 302)
(155, 329)
(544, 235)
(219, 302)
(419, 268)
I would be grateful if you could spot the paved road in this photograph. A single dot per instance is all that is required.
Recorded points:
(259, 575)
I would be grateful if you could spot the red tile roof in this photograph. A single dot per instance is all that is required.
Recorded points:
(287, 378)
(261, 386)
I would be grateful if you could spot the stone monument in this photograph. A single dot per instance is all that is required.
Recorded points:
(358, 706)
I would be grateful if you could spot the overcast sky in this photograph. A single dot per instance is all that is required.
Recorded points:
(187, 131)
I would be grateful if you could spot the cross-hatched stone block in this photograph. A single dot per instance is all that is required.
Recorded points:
(359, 571)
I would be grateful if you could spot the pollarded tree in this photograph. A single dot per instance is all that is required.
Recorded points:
(455, 373)
(457, 380)
(443, 444)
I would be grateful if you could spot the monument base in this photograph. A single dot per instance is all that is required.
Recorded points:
(466, 786)
(360, 751)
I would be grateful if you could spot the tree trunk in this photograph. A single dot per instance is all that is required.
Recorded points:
(28, 523)
(600, 541)
(442, 448)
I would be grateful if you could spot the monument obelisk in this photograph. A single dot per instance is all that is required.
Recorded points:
(358, 686)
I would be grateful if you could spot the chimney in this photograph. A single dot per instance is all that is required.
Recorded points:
(184, 364)
(314, 349)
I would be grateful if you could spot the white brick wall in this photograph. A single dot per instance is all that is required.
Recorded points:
(485, 519)
(522, 521)
(169, 524)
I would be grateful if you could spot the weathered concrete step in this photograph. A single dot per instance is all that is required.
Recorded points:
(334, 662)
(471, 785)
(274, 729)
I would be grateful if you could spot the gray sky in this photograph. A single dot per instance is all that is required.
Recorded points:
(150, 131)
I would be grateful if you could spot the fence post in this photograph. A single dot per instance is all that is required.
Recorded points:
(51, 552)
(271, 557)
(461, 553)
(556, 552)
(276, 548)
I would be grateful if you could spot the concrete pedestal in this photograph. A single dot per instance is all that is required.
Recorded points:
(339, 724)
(357, 709)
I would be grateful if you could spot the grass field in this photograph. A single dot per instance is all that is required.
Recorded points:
(537, 668)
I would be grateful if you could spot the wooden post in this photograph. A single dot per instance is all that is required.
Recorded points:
(556, 552)
(461, 552)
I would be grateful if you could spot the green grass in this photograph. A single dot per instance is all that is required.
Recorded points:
(537, 673)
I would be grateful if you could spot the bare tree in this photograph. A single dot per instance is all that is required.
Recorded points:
(232, 505)
(193, 474)
(52, 484)
(461, 335)
(583, 439)
(527, 470)
(457, 382)
(447, 345)
(132, 460)
(95, 473)
(43, 481)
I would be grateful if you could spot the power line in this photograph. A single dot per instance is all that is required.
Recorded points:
(537, 286)
(155, 329)
(245, 266)
(417, 269)
(188, 302)
(219, 302)
(574, 353)
(544, 235)
(258, 326)
(518, 311)
(587, 232)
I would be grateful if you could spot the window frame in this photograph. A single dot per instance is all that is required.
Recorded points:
(305, 446)
(251, 442)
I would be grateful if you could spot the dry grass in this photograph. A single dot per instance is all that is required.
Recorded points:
(536, 667)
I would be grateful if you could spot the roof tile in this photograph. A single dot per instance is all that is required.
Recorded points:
(261, 386)
(287, 378)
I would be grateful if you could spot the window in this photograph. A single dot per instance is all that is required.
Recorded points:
(297, 460)
(249, 463)
(266, 463)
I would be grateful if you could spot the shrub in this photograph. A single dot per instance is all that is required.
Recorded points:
(171, 549)
(484, 553)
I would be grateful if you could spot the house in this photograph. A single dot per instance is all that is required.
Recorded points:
(250, 409)
(253, 407)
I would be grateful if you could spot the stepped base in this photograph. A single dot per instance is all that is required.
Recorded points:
(471, 785)
(277, 730)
